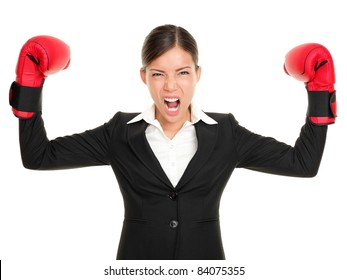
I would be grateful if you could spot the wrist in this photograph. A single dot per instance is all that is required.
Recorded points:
(321, 106)
(25, 101)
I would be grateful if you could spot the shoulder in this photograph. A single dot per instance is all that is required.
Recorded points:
(119, 121)
(123, 117)
(223, 118)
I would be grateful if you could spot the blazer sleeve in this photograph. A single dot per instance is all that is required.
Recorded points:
(266, 154)
(89, 148)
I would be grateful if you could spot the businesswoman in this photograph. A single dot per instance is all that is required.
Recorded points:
(172, 161)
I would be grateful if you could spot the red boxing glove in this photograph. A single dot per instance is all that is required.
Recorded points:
(39, 57)
(312, 64)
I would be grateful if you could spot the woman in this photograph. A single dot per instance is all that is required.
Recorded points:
(172, 161)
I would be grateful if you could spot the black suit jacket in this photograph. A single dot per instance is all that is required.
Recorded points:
(163, 222)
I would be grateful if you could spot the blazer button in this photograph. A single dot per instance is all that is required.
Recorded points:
(173, 224)
(173, 195)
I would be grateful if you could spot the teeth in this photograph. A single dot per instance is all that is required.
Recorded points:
(171, 99)
(174, 109)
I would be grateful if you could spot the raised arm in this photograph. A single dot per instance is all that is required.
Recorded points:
(312, 64)
(40, 57)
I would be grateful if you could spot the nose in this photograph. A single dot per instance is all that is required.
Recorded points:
(170, 84)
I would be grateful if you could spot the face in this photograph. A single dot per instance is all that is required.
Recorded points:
(171, 80)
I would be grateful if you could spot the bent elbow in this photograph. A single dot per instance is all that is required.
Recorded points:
(311, 173)
(30, 164)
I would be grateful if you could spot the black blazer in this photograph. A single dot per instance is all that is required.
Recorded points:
(163, 222)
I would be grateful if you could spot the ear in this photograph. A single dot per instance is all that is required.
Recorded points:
(198, 73)
(143, 75)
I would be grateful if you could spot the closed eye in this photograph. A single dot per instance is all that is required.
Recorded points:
(156, 74)
(183, 73)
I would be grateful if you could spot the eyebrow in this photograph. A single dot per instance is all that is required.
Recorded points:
(177, 70)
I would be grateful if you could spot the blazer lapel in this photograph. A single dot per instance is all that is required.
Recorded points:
(207, 138)
(139, 144)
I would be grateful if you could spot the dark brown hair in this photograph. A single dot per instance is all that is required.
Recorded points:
(165, 37)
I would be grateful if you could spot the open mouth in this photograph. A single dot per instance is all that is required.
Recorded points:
(172, 104)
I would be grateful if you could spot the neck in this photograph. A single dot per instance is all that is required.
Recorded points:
(171, 128)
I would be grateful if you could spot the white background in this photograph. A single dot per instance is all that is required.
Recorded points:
(66, 224)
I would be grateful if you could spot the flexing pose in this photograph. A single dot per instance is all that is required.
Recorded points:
(172, 161)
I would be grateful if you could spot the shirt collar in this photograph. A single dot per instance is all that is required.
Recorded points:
(196, 115)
